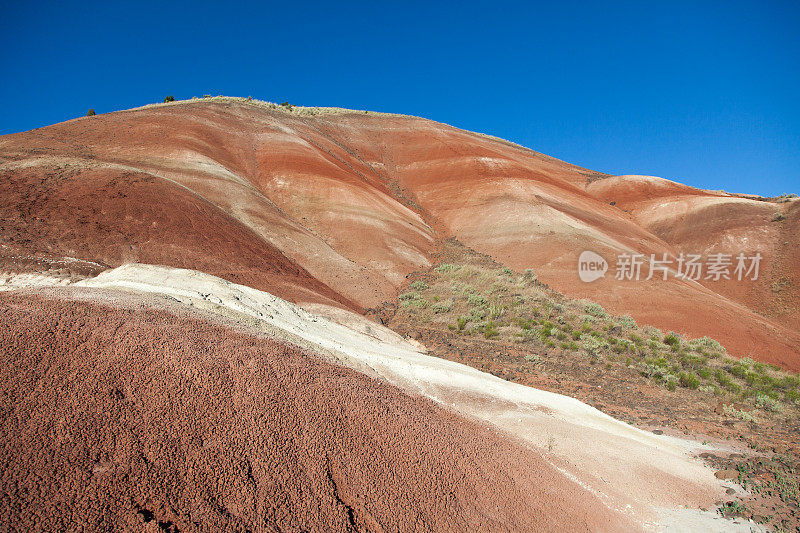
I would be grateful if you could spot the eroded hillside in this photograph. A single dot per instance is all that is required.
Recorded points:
(334, 206)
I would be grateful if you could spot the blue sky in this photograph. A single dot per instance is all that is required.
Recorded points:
(701, 92)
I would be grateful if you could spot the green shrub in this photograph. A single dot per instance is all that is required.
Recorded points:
(461, 322)
(533, 358)
(419, 285)
(737, 413)
(627, 321)
(477, 313)
(408, 296)
(524, 323)
(590, 344)
(725, 381)
(738, 370)
(595, 310)
(476, 299)
(673, 339)
(169, 98)
(671, 383)
(496, 310)
(90, 113)
(689, 380)
(709, 344)
(420, 303)
(447, 267)
(766, 403)
(442, 307)
(489, 330)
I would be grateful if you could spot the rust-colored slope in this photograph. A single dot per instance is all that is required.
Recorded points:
(124, 419)
(291, 183)
(358, 200)
(114, 217)
(694, 220)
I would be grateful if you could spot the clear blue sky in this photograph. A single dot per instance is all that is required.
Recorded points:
(707, 93)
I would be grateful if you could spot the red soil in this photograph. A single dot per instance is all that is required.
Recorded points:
(117, 217)
(359, 200)
(117, 418)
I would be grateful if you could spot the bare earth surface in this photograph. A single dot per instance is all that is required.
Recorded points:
(339, 207)
(119, 418)
(653, 480)
(182, 299)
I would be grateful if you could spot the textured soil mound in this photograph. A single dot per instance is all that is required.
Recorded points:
(117, 418)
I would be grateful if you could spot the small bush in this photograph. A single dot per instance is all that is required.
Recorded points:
(733, 412)
(709, 344)
(673, 339)
(533, 358)
(689, 380)
(489, 330)
(739, 370)
(90, 113)
(441, 307)
(590, 344)
(671, 383)
(419, 303)
(766, 403)
(778, 217)
(461, 322)
(627, 321)
(476, 299)
(169, 98)
(419, 285)
(595, 310)
(524, 324)
(477, 313)
(447, 267)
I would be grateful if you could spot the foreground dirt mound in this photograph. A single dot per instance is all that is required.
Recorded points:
(116, 418)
